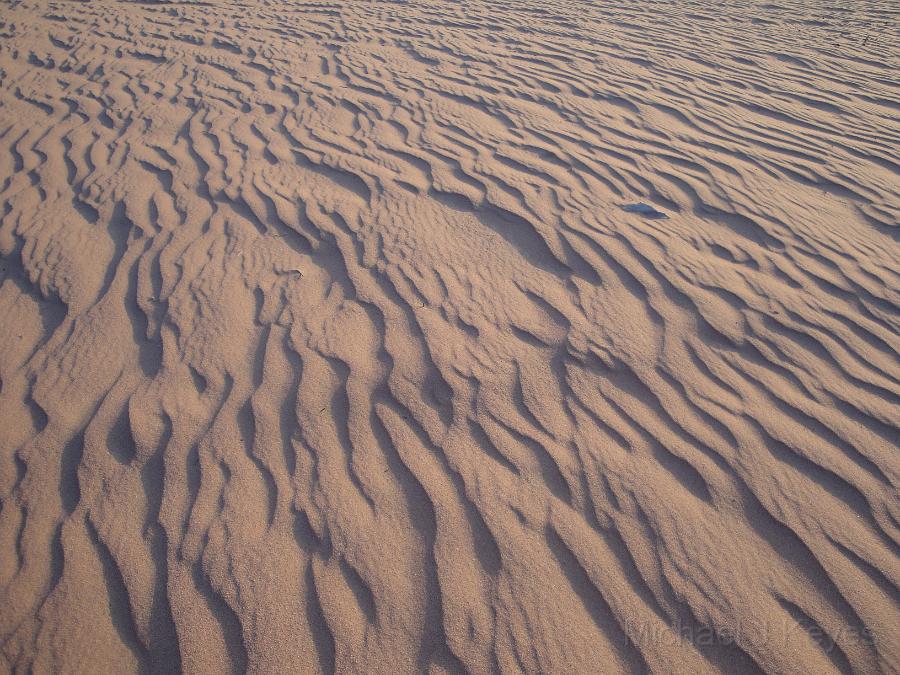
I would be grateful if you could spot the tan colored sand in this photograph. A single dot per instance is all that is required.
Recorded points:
(326, 343)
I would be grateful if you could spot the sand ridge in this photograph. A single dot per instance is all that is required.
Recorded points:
(329, 343)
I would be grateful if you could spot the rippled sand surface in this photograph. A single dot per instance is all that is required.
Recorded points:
(394, 337)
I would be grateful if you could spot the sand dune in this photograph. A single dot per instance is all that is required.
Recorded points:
(333, 338)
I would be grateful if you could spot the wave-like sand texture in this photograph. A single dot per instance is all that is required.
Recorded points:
(326, 343)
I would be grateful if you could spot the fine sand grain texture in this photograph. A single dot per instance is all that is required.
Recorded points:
(401, 337)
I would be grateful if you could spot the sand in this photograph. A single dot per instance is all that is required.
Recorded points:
(400, 337)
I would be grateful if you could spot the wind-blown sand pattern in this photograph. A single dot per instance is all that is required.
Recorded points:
(327, 343)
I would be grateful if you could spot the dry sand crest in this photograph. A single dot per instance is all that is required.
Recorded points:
(328, 340)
